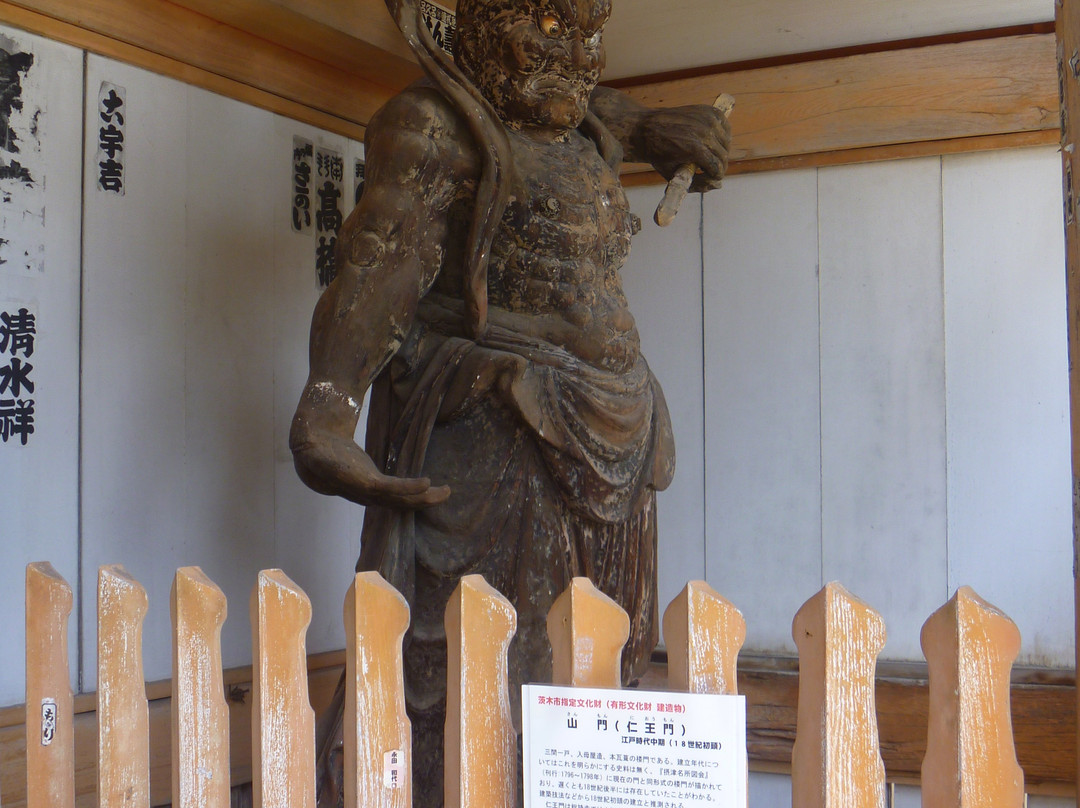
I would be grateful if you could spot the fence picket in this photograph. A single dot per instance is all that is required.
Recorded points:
(50, 714)
(587, 630)
(377, 733)
(836, 761)
(200, 717)
(282, 721)
(970, 755)
(123, 713)
(704, 633)
(480, 742)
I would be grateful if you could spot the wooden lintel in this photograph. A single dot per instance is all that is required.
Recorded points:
(980, 88)
(358, 37)
(333, 66)
(182, 44)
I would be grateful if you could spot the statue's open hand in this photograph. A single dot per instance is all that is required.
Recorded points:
(697, 135)
(339, 467)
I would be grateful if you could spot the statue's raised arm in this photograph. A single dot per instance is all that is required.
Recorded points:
(668, 137)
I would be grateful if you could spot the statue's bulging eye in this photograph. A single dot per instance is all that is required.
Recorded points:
(551, 26)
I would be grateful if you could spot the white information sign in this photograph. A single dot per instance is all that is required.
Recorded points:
(591, 748)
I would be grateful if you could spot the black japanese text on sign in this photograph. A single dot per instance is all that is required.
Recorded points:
(329, 190)
(441, 23)
(112, 114)
(303, 156)
(18, 330)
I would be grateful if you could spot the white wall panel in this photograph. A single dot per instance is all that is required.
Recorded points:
(199, 303)
(883, 391)
(135, 497)
(663, 284)
(763, 506)
(1010, 516)
(39, 503)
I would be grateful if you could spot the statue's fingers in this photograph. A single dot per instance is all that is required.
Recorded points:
(703, 183)
(410, 492)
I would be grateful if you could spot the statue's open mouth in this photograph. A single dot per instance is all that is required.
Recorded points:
(564, 84)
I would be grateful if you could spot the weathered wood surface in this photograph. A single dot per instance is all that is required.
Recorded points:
(480, 766)
(282, 721)
(49, 735)
(1068, 58)
(704, 633)
(122, 709)
(333, 66)
(197, 50)
(200, 717)
(970, 757)
(378, 736)
(587, 631)
(835, 760)
(960, 90)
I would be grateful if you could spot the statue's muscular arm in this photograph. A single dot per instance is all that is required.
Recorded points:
(667, 138)
(390, 252)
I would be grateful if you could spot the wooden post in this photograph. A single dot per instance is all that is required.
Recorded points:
(836, 762)
(282, 721)
(50, 714)
(378, 735)
(1068, 51)
(587, 630)
(480, 765)
(200, 717)
(123, 713)
(970, 755)
(703, 633)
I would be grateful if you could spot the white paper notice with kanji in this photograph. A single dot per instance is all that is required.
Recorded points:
(591, 748)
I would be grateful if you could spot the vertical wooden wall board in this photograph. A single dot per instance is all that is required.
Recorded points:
(762, 448)
(39, 504)
(317, 537)
(883, 390)
(133, 476)
(229, 372)
(662, 279)
(1067, 19)
(1008, 396)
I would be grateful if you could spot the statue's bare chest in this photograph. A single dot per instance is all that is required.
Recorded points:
(565, 233)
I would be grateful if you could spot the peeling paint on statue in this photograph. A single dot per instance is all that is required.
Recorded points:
(515, 429)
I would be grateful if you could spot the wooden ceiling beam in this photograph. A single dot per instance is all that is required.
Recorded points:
(965, 90)
(188, 39)
(334, 65)
(358, 37)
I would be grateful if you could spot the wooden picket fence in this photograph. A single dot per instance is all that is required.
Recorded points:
(836, 763)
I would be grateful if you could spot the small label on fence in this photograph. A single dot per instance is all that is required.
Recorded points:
(48, 721)
(393, 769)
(590, 748)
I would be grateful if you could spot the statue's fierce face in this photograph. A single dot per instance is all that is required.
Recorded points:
(536, 61)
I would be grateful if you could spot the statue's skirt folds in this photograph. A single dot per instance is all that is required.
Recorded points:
(553, 465)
